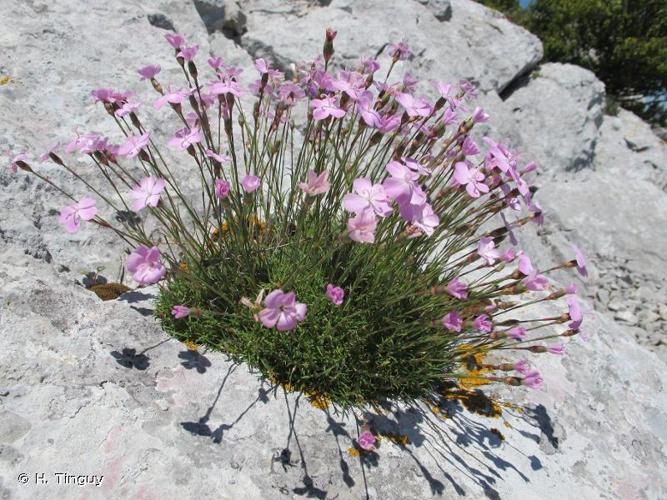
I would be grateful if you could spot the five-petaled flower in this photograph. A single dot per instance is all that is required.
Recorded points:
(72, 215)
(335, 293)
(147, 193)
(457, 288)
(470, 177)
(326, 107)
(149, 72)
(282, 311)
(361, 227)
(145, 265)
(452, 321)
(316, 183)
(366, 440)
(180, 311)
(133, 145)
(250, 183)
(367, 196)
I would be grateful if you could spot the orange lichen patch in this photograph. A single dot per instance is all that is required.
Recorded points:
(353, 452)
(183, 266)
(5, 80)
(399, 439)
(191, 346)
(475, 401)
(473, 381)
(319, 401)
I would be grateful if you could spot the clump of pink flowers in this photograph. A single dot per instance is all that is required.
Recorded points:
(378, 220)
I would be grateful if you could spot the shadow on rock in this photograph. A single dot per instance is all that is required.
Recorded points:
(192, 360)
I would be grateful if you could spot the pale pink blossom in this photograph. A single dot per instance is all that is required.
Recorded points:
(365, 195)
(479, 115)
(558, 349)
(361, 227)
(149, 72)
(574, 312)
(399, 51)
(127, 108)
(72, 215)
(536, 282)
(483, 324)
(185, 138)
(250, 183)
(315, 183)
(517, 333)
(401, 186)
(366, 440)
(414, 106)
(336, 294)
(175, 40)
(171, 97)
(133, 145)
(147, 193)
(282, 311)
(222, 188)
(226, 86)
(471, 178)
(15, 160)
(145, 265)
(188, 53)
(486, 249)
(532, 379)
(421, 216)
(220, 158)
(326, 107)
(522, 366)
(525, 266)
(580, 261)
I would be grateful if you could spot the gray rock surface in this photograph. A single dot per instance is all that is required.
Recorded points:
(163, 422)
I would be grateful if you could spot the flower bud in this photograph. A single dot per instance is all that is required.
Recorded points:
(192, 69)
(328, 49)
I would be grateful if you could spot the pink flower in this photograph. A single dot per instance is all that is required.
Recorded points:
(580, 261)
(442, 88)
(402, 186)
(171, 97)
(215, 62)
(218, 157)
(574, 311)
(517, 333)
(250, 183)
(147, 193)
(222, 188)
(185, 138)
(145, 266)
(571, 289)
(487, 250)
(400, 51)
(366, 440)
(452, 321)
(315, 184)
(262, 66)
(471, 178)
(525, 266)
(361, 227)
(15, 160)
(366, 195)
(508, 255)
(188, 53)
(522, 366)
(326, 107)
(180, 311)
(414, 106)
(556, 349)
(532, 379)
(149, 72)
(458, 289)
(336, 294)
(483, 324)
(290, 93)
(133, 145)
(469, 147)
(175, 40)
(282, 311)
(389, 123)
(421, 216)
(536, 282)
(479, 116)
(127, 108)
(226, 86)
(72, 215)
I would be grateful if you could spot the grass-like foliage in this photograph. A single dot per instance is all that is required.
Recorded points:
(348, 237)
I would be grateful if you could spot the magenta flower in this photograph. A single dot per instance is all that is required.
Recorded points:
(575, 313)
(400, 51)
(571, 289)
(558, 349)
(471, 178)
(508, 255)
(147, 193)
(72, 215)
(487, 250)
(517, 333)
(133, 145)
(469, 147)
(226, 86)
(458, 289)
(365, 196)
(414, 106)
(175, 40)
(536, 282)
(220, 158)
(315, 184)
(483, 324)
(522, 366)
(282, 311)
(336, 294)
(581, 261)
(149, 72)
(452, 321)
(389, 123)
(222, 188)
(361, 227)
(366, 440)
(250, 183)
(180, 311)
(188, 53)
(326, 107)
(215, 62)
(532, 379)
(185, 138)
(145, 266)
(479, 115)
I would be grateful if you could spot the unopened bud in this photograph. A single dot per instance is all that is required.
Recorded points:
(192, 68)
